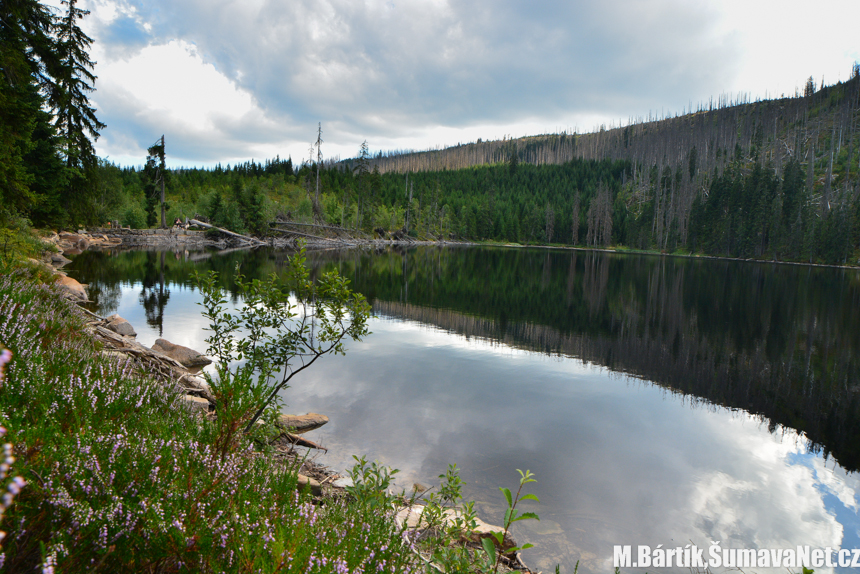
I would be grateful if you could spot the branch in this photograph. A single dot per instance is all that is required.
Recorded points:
(280, 386)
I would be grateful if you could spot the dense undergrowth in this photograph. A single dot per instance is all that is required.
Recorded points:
(120, 478)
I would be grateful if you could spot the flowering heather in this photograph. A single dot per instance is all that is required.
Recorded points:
(122, 478)
(17, 483)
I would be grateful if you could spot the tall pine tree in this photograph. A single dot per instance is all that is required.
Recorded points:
(75, 119)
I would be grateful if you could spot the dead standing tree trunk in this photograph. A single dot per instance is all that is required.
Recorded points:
(317, 207)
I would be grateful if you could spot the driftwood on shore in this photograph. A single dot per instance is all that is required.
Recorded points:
(322, 232)
(247, 238)
(308, 235)
(301, 441)
(316, 225)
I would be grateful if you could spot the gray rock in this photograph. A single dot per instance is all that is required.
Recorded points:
(58, 260)
(342, 482)
(188, 357)
(196, 404)
(120, 326)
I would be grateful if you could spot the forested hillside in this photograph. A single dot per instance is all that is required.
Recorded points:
(770, 178)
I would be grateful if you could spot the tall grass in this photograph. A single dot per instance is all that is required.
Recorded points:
(122, 478)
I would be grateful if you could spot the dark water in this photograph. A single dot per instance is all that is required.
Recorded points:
(658, 400)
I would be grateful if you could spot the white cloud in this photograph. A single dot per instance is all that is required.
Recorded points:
(171, 83)
(785, 43)
(242, 79)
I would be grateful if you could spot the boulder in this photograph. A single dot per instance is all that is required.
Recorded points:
(58, 260)
(196, 404)
(188, 357)
(69, 237)
(120, 326)
(305, 481)
(343, 482)
(412, 519)
(73, 288)
(302, 423)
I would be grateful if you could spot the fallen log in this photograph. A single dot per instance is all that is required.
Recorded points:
(226, 232)
(299, 441)
(319, 225)
(300, 234)
(168, 370)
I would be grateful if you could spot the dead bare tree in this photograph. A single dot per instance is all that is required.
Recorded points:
(318, 213)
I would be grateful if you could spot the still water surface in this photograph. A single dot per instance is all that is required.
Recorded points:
(658, 400)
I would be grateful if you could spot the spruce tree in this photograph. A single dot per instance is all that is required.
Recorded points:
(25, 51)
(76, 120)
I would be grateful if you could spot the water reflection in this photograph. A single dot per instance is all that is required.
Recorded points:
(777, 341)
(741, 357)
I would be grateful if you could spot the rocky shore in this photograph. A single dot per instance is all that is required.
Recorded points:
(185, 238)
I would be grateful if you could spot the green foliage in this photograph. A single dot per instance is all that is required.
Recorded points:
(135, 217)
(26, 50)
(155, 178)
(17, 240)
(511, 515)
(283, 327)
(47, 126)
(370, 485)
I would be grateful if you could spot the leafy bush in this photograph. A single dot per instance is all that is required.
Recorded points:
(276, 334)
(134, 217)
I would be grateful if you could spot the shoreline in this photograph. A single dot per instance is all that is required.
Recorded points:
(184, 238)
(185, 382)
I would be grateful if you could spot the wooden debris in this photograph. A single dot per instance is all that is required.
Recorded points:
(308, 235)
(227, 232)
(300, 441)
(169, 371)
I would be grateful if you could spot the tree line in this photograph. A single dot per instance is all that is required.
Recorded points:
(745, 207)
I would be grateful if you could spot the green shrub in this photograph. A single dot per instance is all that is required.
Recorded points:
(134, 217)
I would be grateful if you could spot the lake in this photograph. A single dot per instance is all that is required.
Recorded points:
(658, 400)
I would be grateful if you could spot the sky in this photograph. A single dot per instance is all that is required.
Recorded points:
(232, 80)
